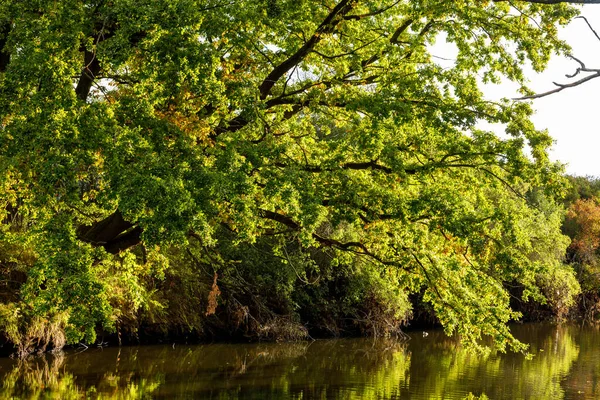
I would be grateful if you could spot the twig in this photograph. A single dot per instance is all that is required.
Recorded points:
(561, 87)
(589, 25)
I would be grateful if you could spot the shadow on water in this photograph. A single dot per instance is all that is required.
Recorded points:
(566, 365)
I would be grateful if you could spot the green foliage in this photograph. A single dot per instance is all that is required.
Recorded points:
(582, 187)
(306, 129)
(561, 288)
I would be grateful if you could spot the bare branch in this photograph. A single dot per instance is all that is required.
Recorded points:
(589, 25)
(578, 70)
(561, 87)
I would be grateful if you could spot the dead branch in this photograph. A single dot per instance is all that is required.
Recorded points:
(595, 73)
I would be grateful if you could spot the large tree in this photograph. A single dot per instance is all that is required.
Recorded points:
(330, 123)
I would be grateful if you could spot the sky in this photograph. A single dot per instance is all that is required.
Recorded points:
(572, 116)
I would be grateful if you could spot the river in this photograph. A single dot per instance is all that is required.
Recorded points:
(565, 365)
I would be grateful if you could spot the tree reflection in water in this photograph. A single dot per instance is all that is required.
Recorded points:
(566, 364)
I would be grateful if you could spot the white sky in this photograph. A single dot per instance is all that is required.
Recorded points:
(571, 116)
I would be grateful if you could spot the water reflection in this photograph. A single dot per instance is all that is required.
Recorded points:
(566, 366)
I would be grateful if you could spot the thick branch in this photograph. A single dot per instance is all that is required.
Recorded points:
(124, 241)
(106, 230)
(371, 14)
(233, 126)
(324, 241)
(350, 165)
(367, 165)
(90, 70)
(91, 67)
(327, 26)
(400, 30)
(113, 233)
(282, 219)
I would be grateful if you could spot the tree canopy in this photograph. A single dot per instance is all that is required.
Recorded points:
(128, 128)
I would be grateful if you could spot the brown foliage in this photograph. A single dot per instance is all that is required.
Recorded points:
(212, 297)
(582, 224)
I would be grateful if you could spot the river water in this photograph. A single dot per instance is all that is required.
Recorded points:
(566, 365)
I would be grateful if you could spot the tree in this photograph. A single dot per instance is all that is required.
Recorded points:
(581, 187)
(127, 126)
(582, 224)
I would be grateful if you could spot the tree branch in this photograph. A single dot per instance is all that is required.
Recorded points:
(92, 67)
(324, 241)
(589, 25)
(400, 30)
(282, 219)
(562, 86)
(113, 233)
(90, 70)
(124, 241)
(104, 230)
(327, 26)
(371, 14)
(350, 165)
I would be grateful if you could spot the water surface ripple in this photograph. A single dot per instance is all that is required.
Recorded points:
(566, 365)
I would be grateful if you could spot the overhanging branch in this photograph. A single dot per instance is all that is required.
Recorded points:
(90, 70)
(327, 26)
(594, 73)
(355, 247)
(114, 233)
